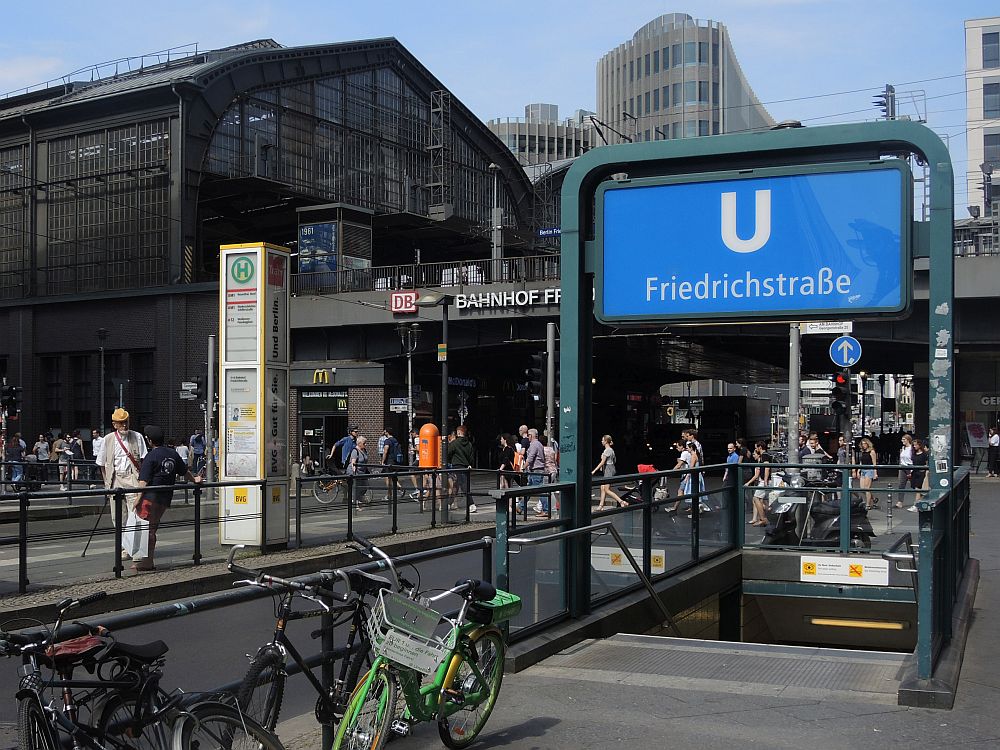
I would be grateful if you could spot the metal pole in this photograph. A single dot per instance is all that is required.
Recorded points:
(22, 543)
(444, 410)
(197, 525)
(794, 382)
(119, 500)
(209, 409)
(550, 378)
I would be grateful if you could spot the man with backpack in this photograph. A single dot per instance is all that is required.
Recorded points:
(392, 457)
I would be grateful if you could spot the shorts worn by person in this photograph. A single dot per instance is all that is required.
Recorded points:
(120, 458)
(161, 467)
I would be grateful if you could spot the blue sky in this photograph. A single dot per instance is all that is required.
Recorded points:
(819, 61)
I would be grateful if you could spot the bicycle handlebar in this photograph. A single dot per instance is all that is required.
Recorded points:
(266, 580)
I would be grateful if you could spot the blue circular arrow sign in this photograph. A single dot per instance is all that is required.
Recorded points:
(845, 351)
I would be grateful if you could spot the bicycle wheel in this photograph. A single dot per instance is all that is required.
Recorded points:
(33, 731)
(117, 724)
(369, 714)
(326, 490)
(216, 726)
(260, 694)
(360, 663)
(477, 697)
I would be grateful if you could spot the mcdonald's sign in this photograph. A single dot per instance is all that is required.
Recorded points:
(321, 377)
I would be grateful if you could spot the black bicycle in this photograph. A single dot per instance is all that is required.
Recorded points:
(123, 704)
(262, 690)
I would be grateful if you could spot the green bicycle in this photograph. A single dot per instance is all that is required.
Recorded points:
(463, 667)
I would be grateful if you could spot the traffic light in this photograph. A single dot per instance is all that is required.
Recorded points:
(535, 375)
(886, 102)
(199, 390)
(840, 396)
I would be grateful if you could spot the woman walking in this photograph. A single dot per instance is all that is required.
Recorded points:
(760, 479)
(506, 459)
(906, 462)
(866, 476)
(607, 466)
(918, 477)
(993, 454)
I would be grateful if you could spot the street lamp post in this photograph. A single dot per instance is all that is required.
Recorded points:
(409, 335)
(881, 404)
(102, 335)
(442, 300)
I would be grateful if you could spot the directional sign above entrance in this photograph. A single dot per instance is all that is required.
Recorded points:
(781, 243)
(845, 351)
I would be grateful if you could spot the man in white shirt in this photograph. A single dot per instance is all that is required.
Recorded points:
(120, 456)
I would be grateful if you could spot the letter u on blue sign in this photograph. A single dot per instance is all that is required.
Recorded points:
(762, 227)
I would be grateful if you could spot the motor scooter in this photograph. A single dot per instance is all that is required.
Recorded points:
(810, 517)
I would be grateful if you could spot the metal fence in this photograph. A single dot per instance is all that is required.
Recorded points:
(569, 575)
(54, 525)
(417, 275)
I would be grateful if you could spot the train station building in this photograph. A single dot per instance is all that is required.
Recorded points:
(116, 193)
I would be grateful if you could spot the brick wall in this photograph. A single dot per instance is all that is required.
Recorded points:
(366, 409)
(174, 328)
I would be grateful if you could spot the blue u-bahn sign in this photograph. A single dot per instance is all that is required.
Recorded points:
(776, 244)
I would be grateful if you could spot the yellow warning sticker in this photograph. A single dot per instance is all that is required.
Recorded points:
(275, 495)
(656, 561)
(241, 496)
(849, 569)
(616, 558)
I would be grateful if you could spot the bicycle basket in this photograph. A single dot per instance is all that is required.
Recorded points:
(503, 606)
(402, 631)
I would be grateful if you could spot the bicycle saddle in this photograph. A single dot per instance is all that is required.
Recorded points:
(365, 584)
(480, 591)
(144, 652)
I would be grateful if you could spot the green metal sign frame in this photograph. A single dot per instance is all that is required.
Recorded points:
(723, 154)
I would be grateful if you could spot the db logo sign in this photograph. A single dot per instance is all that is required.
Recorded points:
(403, 302)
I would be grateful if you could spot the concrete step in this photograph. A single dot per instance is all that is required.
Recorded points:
(727, 667)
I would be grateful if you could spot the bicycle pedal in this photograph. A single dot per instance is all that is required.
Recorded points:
(400, 728)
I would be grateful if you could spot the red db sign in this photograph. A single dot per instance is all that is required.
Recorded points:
(403, 302)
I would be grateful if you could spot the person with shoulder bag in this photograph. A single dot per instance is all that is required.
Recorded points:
(357, 467)
(120, 457)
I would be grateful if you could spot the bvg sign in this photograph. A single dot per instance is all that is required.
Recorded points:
(789, 243)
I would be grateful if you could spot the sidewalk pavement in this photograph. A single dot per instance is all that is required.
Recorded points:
(188, 581)
(537, 709)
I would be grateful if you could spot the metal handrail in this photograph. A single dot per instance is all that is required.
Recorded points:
(912, 556)
(603, 527)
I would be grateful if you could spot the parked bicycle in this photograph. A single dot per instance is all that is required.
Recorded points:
(330, 488)
(123, 707)
(464, 662)
(262, 690)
